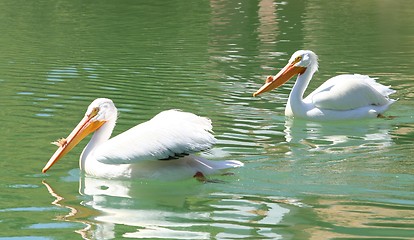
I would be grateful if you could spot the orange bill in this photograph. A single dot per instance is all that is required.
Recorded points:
(281, 78)
(86, 126)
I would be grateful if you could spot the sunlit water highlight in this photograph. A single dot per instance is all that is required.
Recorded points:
(301, 180)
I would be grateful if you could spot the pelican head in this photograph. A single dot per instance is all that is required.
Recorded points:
(99, 112)
(105, 110)
(300, 61)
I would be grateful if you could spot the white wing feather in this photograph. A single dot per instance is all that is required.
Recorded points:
(170, 133)
(346, 92)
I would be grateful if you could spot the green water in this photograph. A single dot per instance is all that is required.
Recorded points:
(301, 180)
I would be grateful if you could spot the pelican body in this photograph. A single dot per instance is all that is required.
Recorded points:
(161, 148)
(343, 97)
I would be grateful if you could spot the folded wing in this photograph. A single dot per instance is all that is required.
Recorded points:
(169, 135)
(347, 92)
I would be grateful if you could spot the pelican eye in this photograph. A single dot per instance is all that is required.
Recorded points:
(297, 59)
(94, 112)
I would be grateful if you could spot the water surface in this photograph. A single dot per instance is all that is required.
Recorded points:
(301, 180)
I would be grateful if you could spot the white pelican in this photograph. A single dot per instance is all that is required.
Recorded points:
(343, 97)
(160, 148)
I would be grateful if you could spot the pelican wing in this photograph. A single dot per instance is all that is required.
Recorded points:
(346, 92)
(170, 134)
